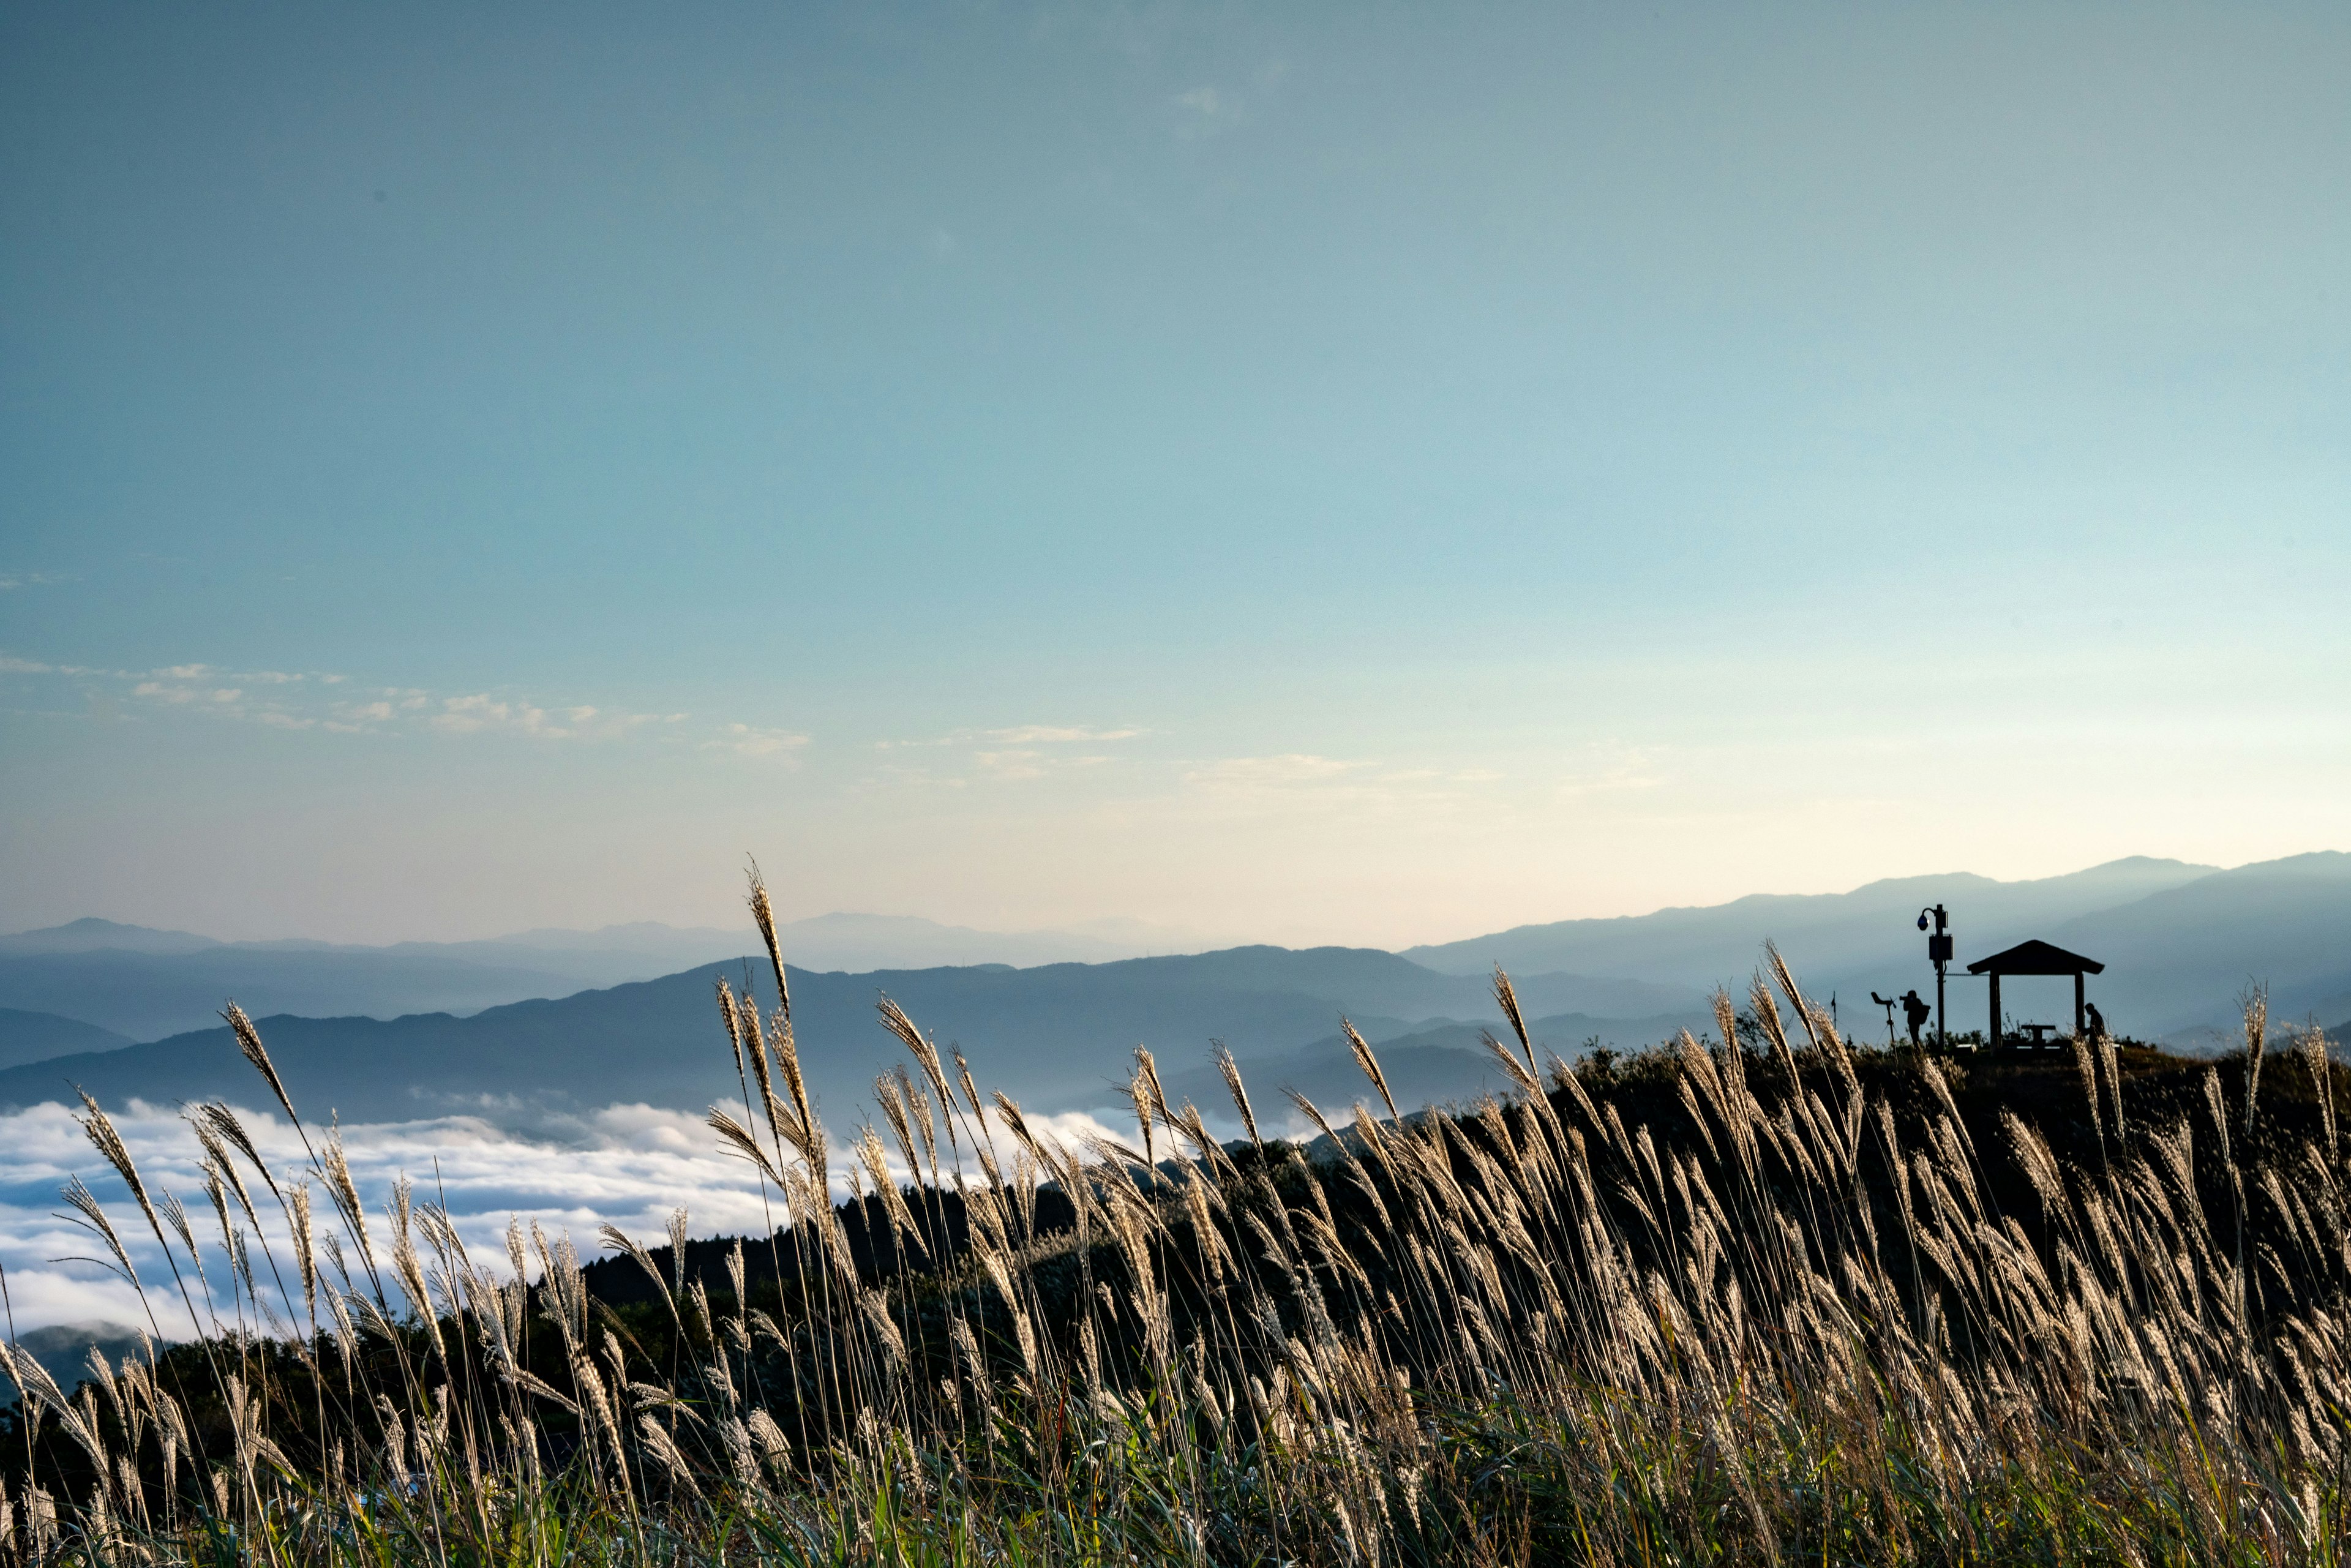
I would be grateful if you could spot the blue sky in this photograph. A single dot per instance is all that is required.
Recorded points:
(1317, 472)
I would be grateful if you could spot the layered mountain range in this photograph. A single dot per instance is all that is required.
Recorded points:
(535, 1031)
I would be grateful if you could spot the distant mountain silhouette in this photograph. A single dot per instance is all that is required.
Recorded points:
(1058, 1037)
(144, 995)
(1822, 933)
(2176, 959)
(146, 983)
(31, 1037)
(92, 935)
(2178, 941)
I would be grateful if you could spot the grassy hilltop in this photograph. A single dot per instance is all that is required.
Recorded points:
(1788, 1301)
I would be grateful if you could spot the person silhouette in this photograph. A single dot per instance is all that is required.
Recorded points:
(2097, 1020)
(1914, 1009)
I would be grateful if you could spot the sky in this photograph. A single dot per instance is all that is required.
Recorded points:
(1367, 474)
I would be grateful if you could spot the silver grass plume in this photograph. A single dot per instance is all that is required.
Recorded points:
(1369, 1066)
(1231, 1071)
(86, 1204)
(2255, 1001)
(248, 1040)
(2317, 1059)
(734, 1030)
(763, 914)
(99, 1129)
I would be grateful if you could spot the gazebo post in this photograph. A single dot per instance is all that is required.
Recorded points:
(2077, 1004)
(1991, 1036)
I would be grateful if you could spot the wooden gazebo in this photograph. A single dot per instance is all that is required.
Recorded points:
(2035, 957)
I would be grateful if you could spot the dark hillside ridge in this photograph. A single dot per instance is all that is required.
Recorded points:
(2043, 1089)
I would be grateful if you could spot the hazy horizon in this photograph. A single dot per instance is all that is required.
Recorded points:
(1356, 474)
(1095, 927)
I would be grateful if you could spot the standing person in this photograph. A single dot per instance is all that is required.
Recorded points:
(2097, 1020)
(1914, 1009)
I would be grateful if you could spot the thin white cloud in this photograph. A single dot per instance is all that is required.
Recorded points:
(1615, 769)
(749, 740)
(1020, 735)
(1009, 754)
(471, 715)
(1049, 734)
(13, 580)
(163, 692)
(1011, 764)
(315, 700)
(481, 712)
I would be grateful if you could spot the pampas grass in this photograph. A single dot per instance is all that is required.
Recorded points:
(1711, 1305)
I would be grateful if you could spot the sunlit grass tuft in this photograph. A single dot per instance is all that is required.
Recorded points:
(1807, 1302)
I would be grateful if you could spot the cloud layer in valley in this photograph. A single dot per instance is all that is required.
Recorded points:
(626, 1165)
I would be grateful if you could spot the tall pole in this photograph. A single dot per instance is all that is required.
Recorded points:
(1939, 951)
(1942, 1034)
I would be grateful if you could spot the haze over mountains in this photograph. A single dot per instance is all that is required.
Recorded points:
(1055, 1036)
(2178, 940)
(450, 1033)
(145, 984)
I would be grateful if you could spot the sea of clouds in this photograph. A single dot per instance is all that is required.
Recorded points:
(627, 1165)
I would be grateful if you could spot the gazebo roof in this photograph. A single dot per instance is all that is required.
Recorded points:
(2037, 957)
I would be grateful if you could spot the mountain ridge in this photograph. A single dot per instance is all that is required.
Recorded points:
(2178, 941)
(1057, 1035)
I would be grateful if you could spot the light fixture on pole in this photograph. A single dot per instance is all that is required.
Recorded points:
(1938, 953)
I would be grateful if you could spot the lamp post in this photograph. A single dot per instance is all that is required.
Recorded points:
(1938, 953)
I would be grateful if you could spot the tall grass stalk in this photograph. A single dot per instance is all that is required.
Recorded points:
(1792, 1310)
